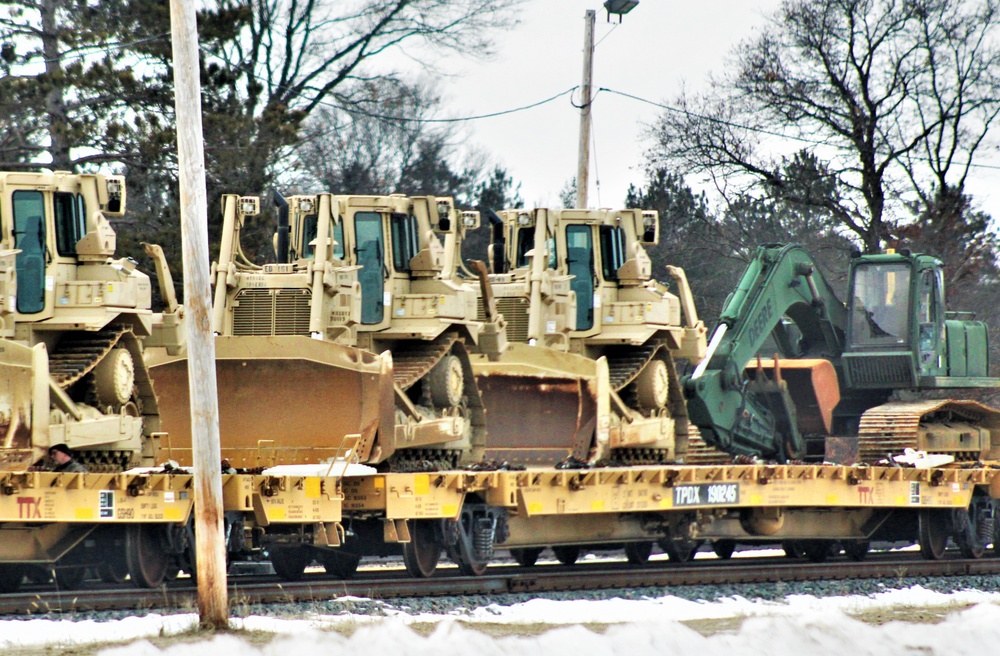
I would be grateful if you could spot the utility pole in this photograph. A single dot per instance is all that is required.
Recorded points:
(213, 603)
(583, 163)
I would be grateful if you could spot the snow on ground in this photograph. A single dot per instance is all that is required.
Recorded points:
(801, 624)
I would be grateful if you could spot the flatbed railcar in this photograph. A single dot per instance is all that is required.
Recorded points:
(140, 523)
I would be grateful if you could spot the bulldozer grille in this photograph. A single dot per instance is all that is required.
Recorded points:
(515, 310)
(880, 370)
(272, 312)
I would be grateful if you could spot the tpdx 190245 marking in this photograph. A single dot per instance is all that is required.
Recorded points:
(707, 494)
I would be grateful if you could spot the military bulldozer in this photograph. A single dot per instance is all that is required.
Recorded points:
(72, 321)
(360, 332)
(843, 376)
(579, 283)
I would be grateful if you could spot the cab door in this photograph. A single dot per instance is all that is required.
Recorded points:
(370, 252)
(29, 238)
(580, 265)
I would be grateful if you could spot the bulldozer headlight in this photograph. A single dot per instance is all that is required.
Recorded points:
(306, 205)
(523, 219)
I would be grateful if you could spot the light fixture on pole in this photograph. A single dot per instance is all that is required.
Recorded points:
(620, 7)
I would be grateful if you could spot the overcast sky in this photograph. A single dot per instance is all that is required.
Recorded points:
(659, 46)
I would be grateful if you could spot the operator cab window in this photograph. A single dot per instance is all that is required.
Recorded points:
(71, 222)
(310, 231)
(880, 307)
(405, 241)
(612, 251)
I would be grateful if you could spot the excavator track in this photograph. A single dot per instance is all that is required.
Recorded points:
(412, 361)
(700, 452)
(891, 428)
(76, 355)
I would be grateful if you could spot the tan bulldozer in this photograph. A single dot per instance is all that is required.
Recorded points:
(354, 343)
(72, 322)
(579, 283)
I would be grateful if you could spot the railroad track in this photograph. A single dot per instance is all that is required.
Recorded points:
(499, 579)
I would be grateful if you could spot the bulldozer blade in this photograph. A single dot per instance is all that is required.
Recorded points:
(282, 400)
(17, 389)
(541, 405)
(813, 386)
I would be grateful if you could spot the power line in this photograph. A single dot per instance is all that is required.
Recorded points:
(401, 119)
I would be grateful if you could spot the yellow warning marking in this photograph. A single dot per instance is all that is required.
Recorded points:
(597, 505)
(313, 485)
(535, 508)
(380, 482)
(899, 501)
(666, 502)
(832, 499)
(84, 513)
(173, 514)
(756, 499)
(421, 484)
(276, 513)
(449, 510)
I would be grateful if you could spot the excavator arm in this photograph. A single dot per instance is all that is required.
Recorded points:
(755, 415)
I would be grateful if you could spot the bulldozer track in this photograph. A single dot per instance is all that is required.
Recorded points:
(625, 364)
(412, 361)
(76, 355)
(891, 428)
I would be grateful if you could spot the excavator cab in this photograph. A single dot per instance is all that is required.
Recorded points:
(900, 334)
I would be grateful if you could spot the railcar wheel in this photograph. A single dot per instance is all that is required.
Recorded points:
(793, 549)
(856, 550)
(447, 382)
(566, 555)
(974, 527)
(724, 548)
(526, 556)
(11, 577)
(933, 531)
(817, 551)
(679, 551)
(341, 565)
(114, 569)
(468, 566)
(422, 553)
(290, 563)
(147, 559)
(637, 553)
(70, 578)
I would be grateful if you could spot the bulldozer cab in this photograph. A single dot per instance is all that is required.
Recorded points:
(57, 224)
(900, 334)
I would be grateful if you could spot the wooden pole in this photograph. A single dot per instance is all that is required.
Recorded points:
(583, 163)
(210, 550)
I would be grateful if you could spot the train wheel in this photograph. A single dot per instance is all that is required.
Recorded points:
(468, 566)
(422, 553)
(341, 565)
(856, 550)
(526, 556)
(11, 577)
(70, 578)
(114, 569)
(973, 527)
(290, 563)
(933, 530)
(147, 559)
(679, 551)
(566, 555)
(638, 553)
(447, 382)
(724, 548)
(817, 551)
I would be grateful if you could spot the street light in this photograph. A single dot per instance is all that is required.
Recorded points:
(620, 7)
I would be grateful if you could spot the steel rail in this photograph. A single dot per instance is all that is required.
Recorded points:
(500, 579)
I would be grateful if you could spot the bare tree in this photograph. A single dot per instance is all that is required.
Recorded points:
(897, 94)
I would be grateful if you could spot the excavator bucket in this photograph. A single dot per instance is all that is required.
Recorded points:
(541, 405)
(813, 386)
(282, 400)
